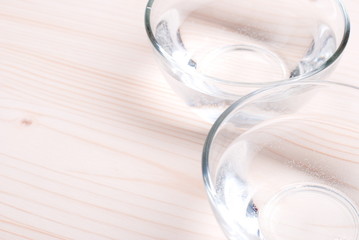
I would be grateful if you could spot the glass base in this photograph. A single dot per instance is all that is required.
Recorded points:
(311, 212)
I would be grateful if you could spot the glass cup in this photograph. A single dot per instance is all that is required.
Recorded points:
(213, 52)
(283, 163)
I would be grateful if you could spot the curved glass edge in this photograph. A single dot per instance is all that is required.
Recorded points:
(239, 103)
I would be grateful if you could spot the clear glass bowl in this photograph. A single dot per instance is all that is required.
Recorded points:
(213, 52)
(283, 163)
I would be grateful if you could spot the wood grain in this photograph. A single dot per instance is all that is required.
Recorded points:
(94, 144)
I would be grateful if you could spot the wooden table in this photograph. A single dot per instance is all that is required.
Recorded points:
(93, 142)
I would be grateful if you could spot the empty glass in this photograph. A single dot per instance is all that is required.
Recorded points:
(283, 163)
(213, 52)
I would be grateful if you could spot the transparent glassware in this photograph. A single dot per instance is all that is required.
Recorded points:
(213, 52)
(283, 163)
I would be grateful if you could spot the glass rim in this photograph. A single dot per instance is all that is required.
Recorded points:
(338, 52)
(240, 102)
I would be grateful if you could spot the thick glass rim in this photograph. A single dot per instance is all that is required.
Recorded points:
(242, 101)
(209, 79)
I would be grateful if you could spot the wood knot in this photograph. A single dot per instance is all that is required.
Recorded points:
(26, 122)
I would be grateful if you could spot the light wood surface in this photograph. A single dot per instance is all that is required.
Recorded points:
(93, 142)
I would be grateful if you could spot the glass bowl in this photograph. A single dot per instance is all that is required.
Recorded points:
(213, 52)
(283, 163)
